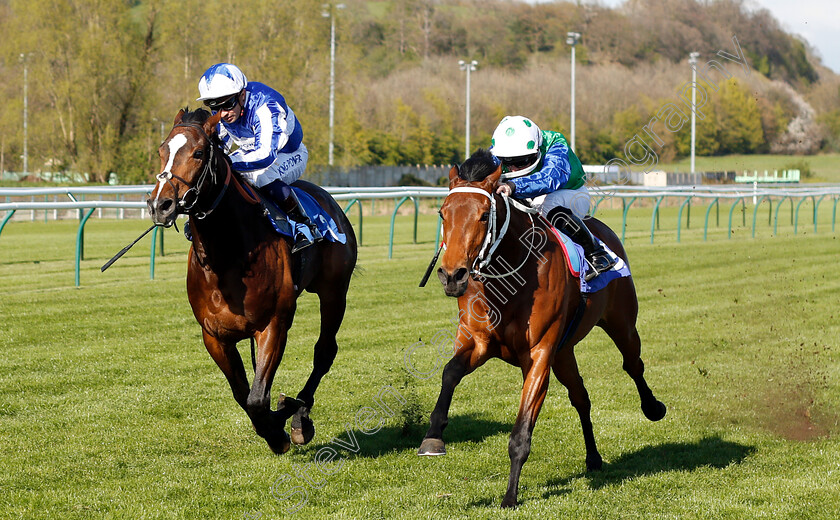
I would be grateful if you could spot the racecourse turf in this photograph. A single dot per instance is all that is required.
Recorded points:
(111, 408)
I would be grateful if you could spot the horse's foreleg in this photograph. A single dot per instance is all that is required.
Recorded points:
(566, 370)
(230, 362)
(534, 390)
(433, 444)
(332, 313)
(466, 359)
(269, 425)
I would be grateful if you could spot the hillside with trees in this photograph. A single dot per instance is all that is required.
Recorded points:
(106, 77)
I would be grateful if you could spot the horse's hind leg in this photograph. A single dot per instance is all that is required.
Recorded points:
(333, 305)
(566, 370)
(620, 326)
(630, 346)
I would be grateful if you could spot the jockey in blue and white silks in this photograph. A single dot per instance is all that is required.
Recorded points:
(262, 137)
(268, 136)
(541, 164)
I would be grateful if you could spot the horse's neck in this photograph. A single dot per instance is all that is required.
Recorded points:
(526, 242)
(231, 231)
(519, 232)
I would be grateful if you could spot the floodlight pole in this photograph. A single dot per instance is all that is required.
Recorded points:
(692, 60)
(329, 12)
(25, 114)
(572, 38)
(467, 67)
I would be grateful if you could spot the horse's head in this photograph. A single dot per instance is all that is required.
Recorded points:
(466, 214)
(186, 167)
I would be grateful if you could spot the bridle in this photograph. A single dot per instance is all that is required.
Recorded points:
(188, 202)
(494, 234)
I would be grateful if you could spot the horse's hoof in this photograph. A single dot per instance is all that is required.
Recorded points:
(654, 411)
(279, 444)
(302, 430)
(594, 463)
(431, 447)
(508, 503)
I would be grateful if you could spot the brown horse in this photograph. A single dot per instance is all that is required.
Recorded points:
(242, 281)
(519, 305)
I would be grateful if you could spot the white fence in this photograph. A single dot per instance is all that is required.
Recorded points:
(116, 199)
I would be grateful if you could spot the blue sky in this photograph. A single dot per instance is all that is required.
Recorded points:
(817, 21)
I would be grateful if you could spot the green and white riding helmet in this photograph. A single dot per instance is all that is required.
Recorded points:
(516, 142)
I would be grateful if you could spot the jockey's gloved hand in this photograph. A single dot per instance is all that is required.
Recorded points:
(506, 188)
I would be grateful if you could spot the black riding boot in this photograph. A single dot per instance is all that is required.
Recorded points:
(596, 256)
(283, 194)
(293, 208)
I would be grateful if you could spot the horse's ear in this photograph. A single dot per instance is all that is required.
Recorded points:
(453, 176)
(211, 123)
(179, 116)
(492, 180)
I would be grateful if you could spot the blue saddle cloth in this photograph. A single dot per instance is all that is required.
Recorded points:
(325, 223)
(579, 266)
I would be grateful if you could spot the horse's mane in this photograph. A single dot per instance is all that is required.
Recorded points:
(199, 116)
(478, 166)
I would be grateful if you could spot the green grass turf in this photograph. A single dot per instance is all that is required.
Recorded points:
(111, 408)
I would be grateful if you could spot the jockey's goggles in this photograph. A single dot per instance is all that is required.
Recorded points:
(223, 103)
(517, 163)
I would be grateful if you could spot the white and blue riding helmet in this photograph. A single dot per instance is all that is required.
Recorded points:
(516, 141)
(221, 81)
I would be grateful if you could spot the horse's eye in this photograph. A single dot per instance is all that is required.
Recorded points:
(440, 212)
(485, 216)
(198, 154)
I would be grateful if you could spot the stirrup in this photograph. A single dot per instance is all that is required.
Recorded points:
(301, 242)
(600, 262)
(317, 236)
(294, 209)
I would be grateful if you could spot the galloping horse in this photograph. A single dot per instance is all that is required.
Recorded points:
(521, 310)
(242, 281)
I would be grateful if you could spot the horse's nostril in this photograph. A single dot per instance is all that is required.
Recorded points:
(166, 205)
(443, 276)
(461, 274)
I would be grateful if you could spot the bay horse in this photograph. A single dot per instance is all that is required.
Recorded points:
(242, 281)
(528, 310)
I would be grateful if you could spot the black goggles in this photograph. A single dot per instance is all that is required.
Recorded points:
(223, 103)
(519, 162)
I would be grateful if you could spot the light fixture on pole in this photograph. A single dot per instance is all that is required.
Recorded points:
(469, 67)
(572, 38)
(25, 115)
(329, 12)
(692, 60)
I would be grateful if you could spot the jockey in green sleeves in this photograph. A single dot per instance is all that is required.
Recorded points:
(540, 165)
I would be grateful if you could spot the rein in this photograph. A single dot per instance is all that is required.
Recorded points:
(494, 235)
